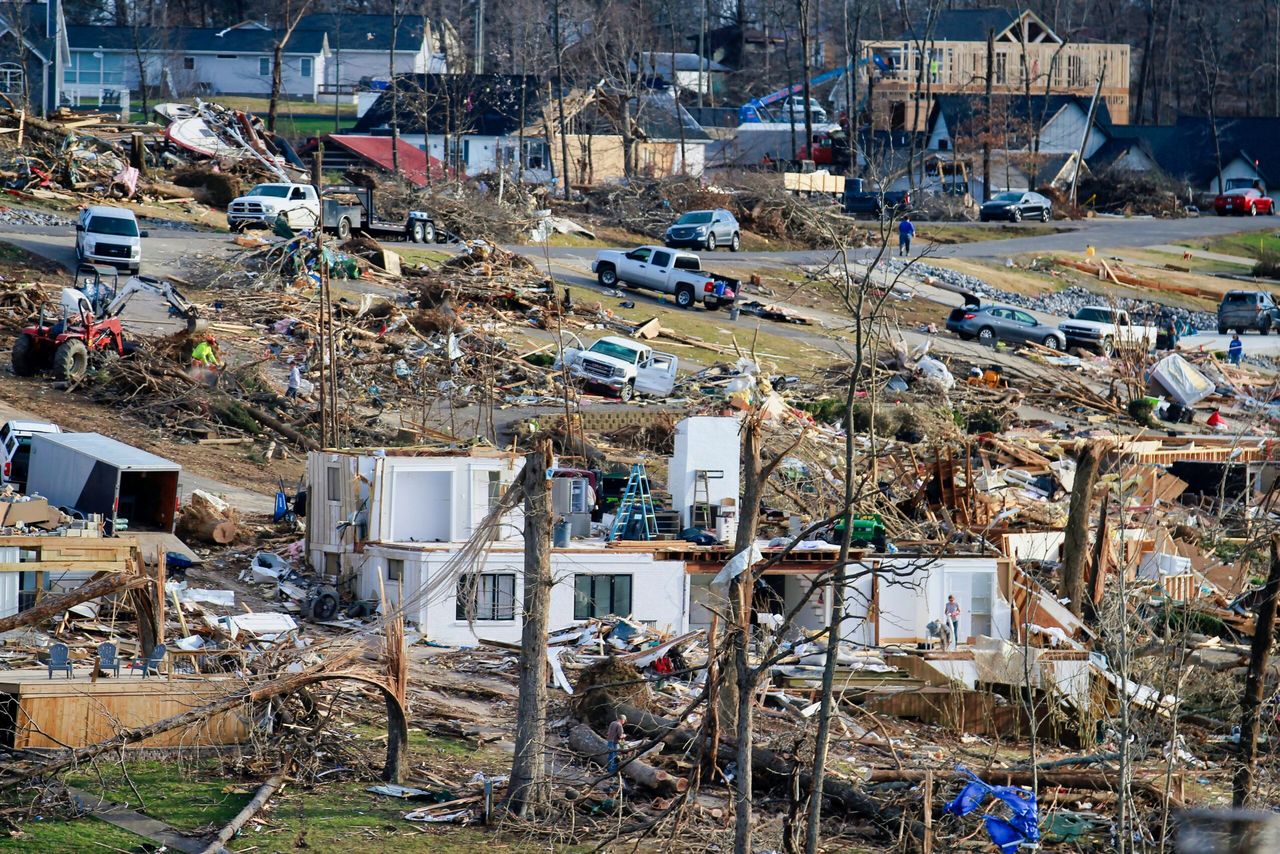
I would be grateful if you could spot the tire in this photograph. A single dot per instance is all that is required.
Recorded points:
(1016, 216)
(71, 361)
(1052, 342)
(627, 392)
(344, 228)
(711, 242)
(324, 606)
(983, 218)
(607, 276)
(1264, 326)
(684, 296)
(25, 363)
(736, 243)
(1046, 215)
(417, 233)
(1108, 346)
(1222, 330)
(428, 232)
(987, 337)
(1253, 210)
(1271, 210)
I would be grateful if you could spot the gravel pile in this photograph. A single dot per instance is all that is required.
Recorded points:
(26, 216)
(1064, 303)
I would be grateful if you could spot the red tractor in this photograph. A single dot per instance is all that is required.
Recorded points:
(65, 345)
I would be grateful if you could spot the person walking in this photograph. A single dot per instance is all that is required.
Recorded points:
(952, 613)
(1235, 352)
(906, 231)
(617, 732)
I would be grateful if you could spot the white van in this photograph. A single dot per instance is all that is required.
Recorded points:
(107, 235)
(15, 449)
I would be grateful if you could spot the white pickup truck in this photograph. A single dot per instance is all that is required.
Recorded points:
(623, 366)
(666, 271)
(346, 208)
(1106, 329)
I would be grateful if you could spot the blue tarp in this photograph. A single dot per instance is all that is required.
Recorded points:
(1023, 825)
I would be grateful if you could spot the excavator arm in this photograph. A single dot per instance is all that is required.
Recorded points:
(179, 305)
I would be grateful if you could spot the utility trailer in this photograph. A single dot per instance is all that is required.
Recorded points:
(417, 226)
(90, 473)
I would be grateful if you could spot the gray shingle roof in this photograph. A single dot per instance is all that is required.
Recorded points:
(366, 32)
(964, 25)
(192, 39)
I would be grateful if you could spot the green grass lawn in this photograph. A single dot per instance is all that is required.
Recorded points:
(1249, 244)
(962, 233)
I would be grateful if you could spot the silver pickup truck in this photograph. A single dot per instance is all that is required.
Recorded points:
(666, 271)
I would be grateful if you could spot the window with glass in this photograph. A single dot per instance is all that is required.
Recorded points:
(491, 595)
(306, 66)
(601, 596)
(264, 66)
(93, 68)
(395, 569)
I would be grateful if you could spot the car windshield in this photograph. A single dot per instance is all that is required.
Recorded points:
(616, 351)
(1097, 315)
(116, 225)
(273, 190)
(695, 218)
(1007, 197)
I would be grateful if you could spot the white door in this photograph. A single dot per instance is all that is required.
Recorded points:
(657, 375)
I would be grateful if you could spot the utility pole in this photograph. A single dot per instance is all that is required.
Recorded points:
(317, 173)
(528, 786)
(479, 59)
(395, 92)
(564, 142)
(1088, 126)
(986, 137)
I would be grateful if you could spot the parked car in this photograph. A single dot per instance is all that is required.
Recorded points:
(1243, 201)
(1016, 207)
(622, 365)
(992, 323)
(792, 110)
(860, 197)
(15, 445)
(665, 271)
(1102, 328)
(704, 230)
(1243, 310)
(106, 235)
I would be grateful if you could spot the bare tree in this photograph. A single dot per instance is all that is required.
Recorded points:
(290, 15)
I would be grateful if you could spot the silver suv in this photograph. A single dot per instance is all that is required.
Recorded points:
(1241, 310)
(704, 230)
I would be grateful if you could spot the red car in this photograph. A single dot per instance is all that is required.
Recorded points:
(1242, 202)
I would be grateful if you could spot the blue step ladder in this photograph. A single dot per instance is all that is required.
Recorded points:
(635, 512)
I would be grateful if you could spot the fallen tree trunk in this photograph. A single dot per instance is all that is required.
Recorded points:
(264, 793)
(1098, 781)
(280, 427)
(772, 767)
(53, 605)
(584, 742)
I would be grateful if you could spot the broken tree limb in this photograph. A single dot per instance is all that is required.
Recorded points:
(1097, 781)
(259, 800)
(772, 768)
(584, 742)
(1075, 543)
(280, 427)
(1255, 683)
(50, 606)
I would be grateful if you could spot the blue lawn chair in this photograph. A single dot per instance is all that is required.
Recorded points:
(58, 659)
(152, 662)
(107, 658)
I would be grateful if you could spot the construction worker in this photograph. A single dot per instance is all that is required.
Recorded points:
(205, 354)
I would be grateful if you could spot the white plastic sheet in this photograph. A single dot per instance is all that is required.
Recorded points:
(1182, 380)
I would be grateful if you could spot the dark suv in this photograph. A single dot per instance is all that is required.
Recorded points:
(1242, 310)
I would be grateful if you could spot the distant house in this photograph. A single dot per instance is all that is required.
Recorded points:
(688, 70)
(950, 58)
(666, 140)
(1058, 119)
(360, 47)
(33, 54)
(470, 122)
(186, 61)
(1186, 151)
